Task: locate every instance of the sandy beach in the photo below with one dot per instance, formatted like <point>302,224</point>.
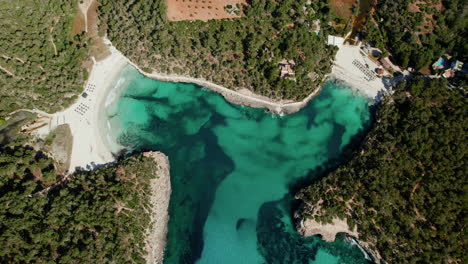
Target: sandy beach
<point>90,145</point>
<point>91,148</point>
<point>243,97</point>
<point>345,69</point>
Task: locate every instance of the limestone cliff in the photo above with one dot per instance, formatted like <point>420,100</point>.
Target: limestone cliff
<point>306,225</point>
<point>161,192</point>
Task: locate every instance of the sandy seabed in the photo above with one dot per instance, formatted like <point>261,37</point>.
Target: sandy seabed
<point>91,147</point>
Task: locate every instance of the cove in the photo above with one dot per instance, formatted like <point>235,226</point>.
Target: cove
<point>234,169</point>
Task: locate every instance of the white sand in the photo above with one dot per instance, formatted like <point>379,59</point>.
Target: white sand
<point>345,71</point>
<point>89,148</point>
<point>242,97</point>
<point>310,227</point>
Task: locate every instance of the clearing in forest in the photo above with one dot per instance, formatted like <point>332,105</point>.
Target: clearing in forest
<point>343,8</point>
<point>179,10</point>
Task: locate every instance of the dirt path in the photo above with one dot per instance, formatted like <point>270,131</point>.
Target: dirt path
<point>84,10</point>
<point>33,111</point>
<point>15,58</point>
<point>52,38</point>
<point>7,72</point>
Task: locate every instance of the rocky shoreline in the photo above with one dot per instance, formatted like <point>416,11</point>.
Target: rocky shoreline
<point>328,231</point>
<point>243,97</point>
<point>156,237</point>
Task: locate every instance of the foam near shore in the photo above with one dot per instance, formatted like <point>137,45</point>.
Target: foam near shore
<point>243,97</point>
<point>92,146</point>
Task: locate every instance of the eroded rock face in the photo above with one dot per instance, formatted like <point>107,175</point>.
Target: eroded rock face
<point>310,227</point>
<point>161,192</point>
<point>328,231</point>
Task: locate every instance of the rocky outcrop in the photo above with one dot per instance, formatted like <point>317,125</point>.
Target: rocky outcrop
<point>308,226</point>
<point>155,242</point>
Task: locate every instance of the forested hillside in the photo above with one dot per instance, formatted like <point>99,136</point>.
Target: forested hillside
<point>40,60</point>
<point>417,32</point>
<point>237,53</point>
<point>406,188</point>
<point>98,216</point>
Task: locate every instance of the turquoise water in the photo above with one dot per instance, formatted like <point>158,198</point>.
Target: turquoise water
<point>234,170</point>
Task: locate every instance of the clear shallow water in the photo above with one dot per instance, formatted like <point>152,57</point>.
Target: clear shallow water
<point>234,169</point>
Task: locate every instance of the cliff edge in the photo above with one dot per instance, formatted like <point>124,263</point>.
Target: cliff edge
<point>307,225</point>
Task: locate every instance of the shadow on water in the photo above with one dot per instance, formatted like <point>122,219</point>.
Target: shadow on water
<point>193,185</point>
<point>292,248</point>
<point>276,218</point>
<point>341,157</point>
<point>187,127</point>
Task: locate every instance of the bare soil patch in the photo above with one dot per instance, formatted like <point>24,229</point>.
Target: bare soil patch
<point>99,49</point>
<point>79,23</point>
<point>343,8</point>
<point>61,147</point>
<point>179,10</point>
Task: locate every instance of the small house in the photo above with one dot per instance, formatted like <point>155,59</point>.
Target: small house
<point>286,68</point>
<point>456,65</point>
<point>448,73</point>
<point>335,41</point>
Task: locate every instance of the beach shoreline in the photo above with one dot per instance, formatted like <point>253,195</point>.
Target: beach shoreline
<point>343,71</point>
<point>92,147</point>
<point>243,97</point>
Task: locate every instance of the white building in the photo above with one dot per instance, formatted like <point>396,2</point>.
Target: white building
<point>335,41</point>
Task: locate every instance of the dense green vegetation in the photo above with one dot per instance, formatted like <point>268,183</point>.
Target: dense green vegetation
<point>96,217</point>
<point>417,32</point>
<point>237,53</point>
<point>406,189</point>
<point>9,130</point>
<point>40,61</point>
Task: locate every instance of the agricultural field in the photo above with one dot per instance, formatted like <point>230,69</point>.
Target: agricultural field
<point>179,10</point>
